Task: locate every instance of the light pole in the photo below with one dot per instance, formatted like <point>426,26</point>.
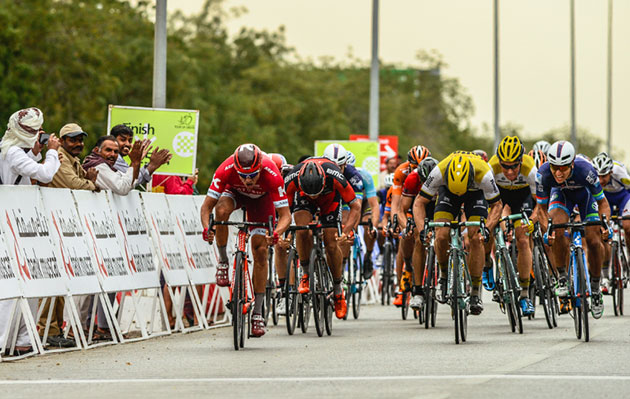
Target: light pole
<point>497,129</point>
<point>373,124</point>
<point>609,80</point>
<point>159,56</point>
<point>573,126</point>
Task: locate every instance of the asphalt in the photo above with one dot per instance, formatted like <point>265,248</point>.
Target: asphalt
<point>379,355</point>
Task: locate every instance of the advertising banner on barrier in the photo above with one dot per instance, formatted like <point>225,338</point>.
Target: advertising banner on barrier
<point>388,146</point>
<point>201,262</point>
<point>131,223</point>
<point>114,270</point>
<point>10,286</point>
<point>28,235</point>
<point>173,129</point>
<point>366,153</point>
<point>70,241</point>
<point>170,249</point>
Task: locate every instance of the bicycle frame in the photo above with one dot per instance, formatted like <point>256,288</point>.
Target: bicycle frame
<point>241,247</point>
<point>576,242</point>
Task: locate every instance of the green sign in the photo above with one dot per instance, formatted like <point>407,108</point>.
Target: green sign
<point>366,153</point>
<point>173,129</point>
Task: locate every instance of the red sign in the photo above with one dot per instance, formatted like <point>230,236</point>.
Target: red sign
<point>388,146</point>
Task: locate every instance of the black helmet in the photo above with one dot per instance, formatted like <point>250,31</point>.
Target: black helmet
<point>311,178</point>
<point>426,166</point>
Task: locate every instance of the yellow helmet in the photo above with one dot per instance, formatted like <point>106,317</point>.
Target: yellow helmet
<point>459,174</point>
<point>510,149</point>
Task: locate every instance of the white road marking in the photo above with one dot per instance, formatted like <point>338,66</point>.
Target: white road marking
<point>254,380</point>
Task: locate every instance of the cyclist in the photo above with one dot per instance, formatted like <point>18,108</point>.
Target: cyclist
<point>539,157</point>
<point>541,145</point>
<point>515,175</point>
<point>615,181</point>
<point>461,178</point>
<point>247,179</point>
<point>318,184</point>
<point>368,212</point>
<point>562,183</point>
<point>411,189</point>
<point>405,249</point>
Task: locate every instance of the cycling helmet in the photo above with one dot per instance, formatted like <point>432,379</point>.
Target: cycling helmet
<point>561,153</point>
<point>459,174</point>
<point>541,145</point>
<point>510,149</point>
<point>603,163</point>
<point>247,159</point>
<point>482,154</point>
<point>336,153</point>
<point>584,157</point>
<point>278,159</point>
<point>539,157</point>
<point>417,154</point>
<point>350,158</point>
<point>389,180</point>
<point>311,179</point>
<point>426,166</point>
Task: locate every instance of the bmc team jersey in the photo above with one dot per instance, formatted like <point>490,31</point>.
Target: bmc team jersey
<point>525,178</point>
<point>583,176</point>
<point>483,179</point>
<point>270,182</point>
<point>334,183</point>
<point>400,175</point>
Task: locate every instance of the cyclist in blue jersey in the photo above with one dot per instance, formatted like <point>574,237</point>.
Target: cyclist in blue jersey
<point>563,183</point>
<point>370,211</point>
<point>615,180</point>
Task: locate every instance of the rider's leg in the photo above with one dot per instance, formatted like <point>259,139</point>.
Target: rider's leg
<point>524,261</point>
<point>441,248</point>
<point>259,278</point>
<point>224,208</point>
<point>560,247</point>
<point>418,261</point>
<point>475,260</point>
<point>346,245</point>
<point>333,254</point>
<point>303,240</point>
<point>369,240</point>
<point>594,254</point>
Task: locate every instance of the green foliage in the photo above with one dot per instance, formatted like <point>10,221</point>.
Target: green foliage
<point>72,58</point>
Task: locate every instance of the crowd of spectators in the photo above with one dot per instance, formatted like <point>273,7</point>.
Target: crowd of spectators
<point>104,168</point>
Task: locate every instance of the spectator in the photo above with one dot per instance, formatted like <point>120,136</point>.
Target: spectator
<point>71,174</point>
<point>19,156</point>
<point>124,137</point>
<point>174,184</point>
<point>391,164</point>
<point>103,158</point>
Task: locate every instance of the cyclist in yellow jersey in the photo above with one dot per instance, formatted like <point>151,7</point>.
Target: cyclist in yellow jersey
<point>461,178</point>
<point>515,174</point>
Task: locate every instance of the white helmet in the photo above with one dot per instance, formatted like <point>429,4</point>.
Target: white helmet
<point>389,180</point>
<point>350,158</point>
<point>541,145</point>
<point>561,153</point>
<point>336,153</point>
<point>603,163</point>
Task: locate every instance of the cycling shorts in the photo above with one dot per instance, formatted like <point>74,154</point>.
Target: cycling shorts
<point>621,200</point>
<point>449,205</point>
<point>257,209</point>
<point>519,200</point>
<point>329,206</point>
<point>569,199</point>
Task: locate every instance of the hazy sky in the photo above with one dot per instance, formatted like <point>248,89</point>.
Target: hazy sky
<point>534,50</point>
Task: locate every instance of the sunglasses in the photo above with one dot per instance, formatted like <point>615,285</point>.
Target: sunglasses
<point>249,175</point>
<point>514,166</point>
<point>563,168</point>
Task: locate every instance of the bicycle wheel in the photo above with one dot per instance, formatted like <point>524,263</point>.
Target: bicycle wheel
<point>514,289</point>
<point>622,280</point>
<point>305,312</point>
<point>387,273</point>
<point>317,297</point>
<point>349,278</point>
<point>237,305</point>
<point>576,311</point>
<point>616,285</point>
<point>290,292</point>
<point>405,305</point>
<point>454,298</point>
<point>463,302</point>
<point>541,283</point>
<point>357,286</point>
<point>329,305</point>
<point>579,256</point>
<point>428,287</point>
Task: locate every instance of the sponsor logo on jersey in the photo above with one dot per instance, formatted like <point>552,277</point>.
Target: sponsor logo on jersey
<point>591,178</point>
<point>268,169</point>
<point>334,173</point>
<point>215,182</point>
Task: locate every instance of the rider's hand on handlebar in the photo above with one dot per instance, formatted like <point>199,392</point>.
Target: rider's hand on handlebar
<point>272,239</point>
<point>208,235</point>
<point>606,232</point>
<point>548,239</point>
<point>345,237</point>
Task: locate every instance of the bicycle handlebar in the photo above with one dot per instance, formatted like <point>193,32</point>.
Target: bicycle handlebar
<point>574,225</point>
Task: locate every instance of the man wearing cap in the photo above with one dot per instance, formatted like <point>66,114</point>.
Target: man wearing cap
<point>391,164</point>
<point>71,175</point>
<point>19,157</point>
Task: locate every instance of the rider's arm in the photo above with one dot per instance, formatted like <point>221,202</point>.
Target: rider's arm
<point>206,210</point>
<point>494,214</point>
<point>373,202</point>
<point>284,220</point>
<point>420,211</point>
<point>405,203</point>
<point>353,217</point>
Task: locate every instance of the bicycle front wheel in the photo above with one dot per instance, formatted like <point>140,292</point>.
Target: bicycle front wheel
<point>317,297</point>
<point>455,299</point>
<point>357,287</point>
<point>514,290</point>
<point>541,284</point>
<point>583,290</point>
<point>616,285</point>
<point>387,274</point>
<point>238,290</point>
<point>290,292</point>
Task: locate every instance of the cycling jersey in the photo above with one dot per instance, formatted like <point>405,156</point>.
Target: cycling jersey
<point>400,174</point>
<point>270,182</point>
<point>412,187</point>
<point>525,178</point>
<point>619,179</point>
<point>583,176</point>
<point>369,190</point>
<point>353,176</point>
<point>483,179</point>
<point>388,201</point>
